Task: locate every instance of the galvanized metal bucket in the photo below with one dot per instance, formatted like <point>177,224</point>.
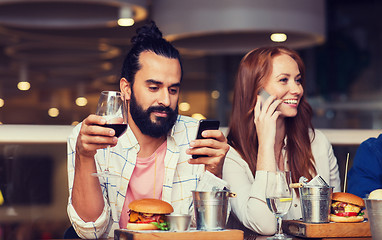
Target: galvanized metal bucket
<point>315,203</point>
<point>211,209</point>
<point>374,211</point>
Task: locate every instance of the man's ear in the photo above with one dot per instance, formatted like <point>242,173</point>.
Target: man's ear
<point>125,87</point>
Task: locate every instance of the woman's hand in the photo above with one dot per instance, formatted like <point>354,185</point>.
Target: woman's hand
<point>265,118</point>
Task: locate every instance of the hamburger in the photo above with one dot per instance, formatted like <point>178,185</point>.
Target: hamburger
<point>346,207</point>
<point>148,214</point>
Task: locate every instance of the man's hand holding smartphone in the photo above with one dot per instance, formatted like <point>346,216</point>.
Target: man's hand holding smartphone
<point>205,124</point>
<point>209,147</point>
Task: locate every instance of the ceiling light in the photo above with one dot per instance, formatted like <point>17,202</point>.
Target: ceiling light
<point>81,101</point>
<point>278,37</point>
<point>215,94</point>
<point>184,106</point>
<point>125,22</point>
<point>125,17</point>
<point>198,116</point>
<point>24,86</point>
<point>53,112</point>
<point>186,27</point>
<point>1,102</point>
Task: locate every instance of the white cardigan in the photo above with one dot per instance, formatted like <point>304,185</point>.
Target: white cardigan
<point>250,205</point>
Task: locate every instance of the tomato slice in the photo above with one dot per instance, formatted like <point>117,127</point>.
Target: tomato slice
<point>346,214</point>
<point>146,221</point>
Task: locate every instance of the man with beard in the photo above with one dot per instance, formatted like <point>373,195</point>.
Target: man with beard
<point>152,158</point>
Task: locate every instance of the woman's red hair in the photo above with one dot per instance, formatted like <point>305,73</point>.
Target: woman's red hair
<point>254,70</point>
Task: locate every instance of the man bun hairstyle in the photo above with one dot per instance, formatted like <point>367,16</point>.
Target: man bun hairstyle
<point>147,32</point>
<point>148,38</point>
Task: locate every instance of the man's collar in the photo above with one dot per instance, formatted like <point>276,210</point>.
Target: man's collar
<point>130,141</point>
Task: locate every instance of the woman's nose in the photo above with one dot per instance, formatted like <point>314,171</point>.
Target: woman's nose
<point>296,88</point>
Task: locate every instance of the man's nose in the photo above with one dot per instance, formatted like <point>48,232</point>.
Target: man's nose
<point>164,98</point>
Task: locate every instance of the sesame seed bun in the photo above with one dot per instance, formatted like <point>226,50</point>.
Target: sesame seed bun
<point>150,205</point>
<point>348,198</point>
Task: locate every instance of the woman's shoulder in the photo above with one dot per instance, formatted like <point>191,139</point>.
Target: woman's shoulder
<point>318,136</point>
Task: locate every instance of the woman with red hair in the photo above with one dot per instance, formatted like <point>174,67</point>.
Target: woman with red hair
<point>272,134</point>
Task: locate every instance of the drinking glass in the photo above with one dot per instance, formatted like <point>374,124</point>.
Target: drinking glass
<point>111,106</point>
<point>279,198</point>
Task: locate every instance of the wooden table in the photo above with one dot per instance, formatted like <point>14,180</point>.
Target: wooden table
<point>228,234</point>
<point>265,238</point>
<point>295,238</point>
<point>327,230</point>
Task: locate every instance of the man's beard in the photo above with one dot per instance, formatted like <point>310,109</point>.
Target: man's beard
<point>160,127</point>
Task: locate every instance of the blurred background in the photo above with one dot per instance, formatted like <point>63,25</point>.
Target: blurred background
<point>56,56</point>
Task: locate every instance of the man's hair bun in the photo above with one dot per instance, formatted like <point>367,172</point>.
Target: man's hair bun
<point>148,39</point>
<point>148,32</point>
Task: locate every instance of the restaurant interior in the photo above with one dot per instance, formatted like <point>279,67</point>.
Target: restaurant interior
<point>56,56</point>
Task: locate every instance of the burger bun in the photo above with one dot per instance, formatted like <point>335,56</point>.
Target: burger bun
<point>141,226</point>
<point>348,198</point>
<point>376,194</point>
<point>335,218</point>
<point>151,205</point>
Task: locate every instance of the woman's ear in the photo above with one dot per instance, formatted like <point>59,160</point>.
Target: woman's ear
<point>125,87</point>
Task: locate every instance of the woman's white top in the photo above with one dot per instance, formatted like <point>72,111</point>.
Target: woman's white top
<point>250,205</point>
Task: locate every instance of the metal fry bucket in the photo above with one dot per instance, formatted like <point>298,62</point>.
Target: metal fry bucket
<point>211,209</point>
<point>374,211</point>
<point>315,203</point>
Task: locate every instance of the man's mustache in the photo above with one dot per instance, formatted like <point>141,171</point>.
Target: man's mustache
<point>167,110</point>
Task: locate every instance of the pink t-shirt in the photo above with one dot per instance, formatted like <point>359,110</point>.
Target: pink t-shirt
<point>146,181</point>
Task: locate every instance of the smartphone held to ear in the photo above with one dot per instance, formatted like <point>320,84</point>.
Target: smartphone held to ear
<point>264,96</point>
<point>206,124</point>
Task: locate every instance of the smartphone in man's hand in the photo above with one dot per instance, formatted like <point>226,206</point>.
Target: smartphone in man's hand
<point>205,124</point>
